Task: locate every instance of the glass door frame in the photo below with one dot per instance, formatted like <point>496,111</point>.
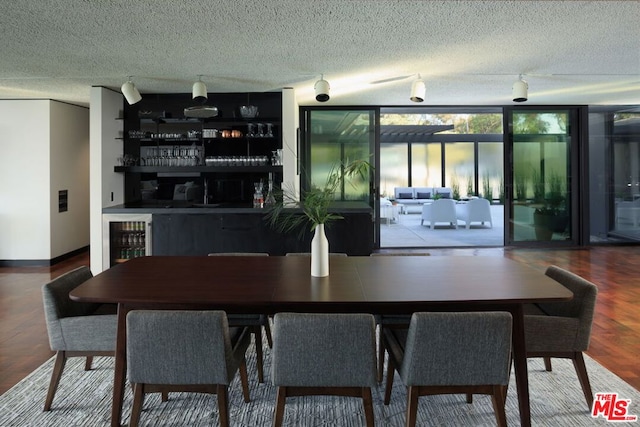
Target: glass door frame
<point>578,174</point>
<point>304,153</point>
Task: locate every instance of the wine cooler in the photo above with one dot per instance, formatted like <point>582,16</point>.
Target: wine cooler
<point>125,236</point>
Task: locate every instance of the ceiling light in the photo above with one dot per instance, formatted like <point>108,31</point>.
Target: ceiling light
<point>199,90</point>
<point>322,90</point>
<point>520,90</point>
<point>130,92</point>
<point>418,90</point>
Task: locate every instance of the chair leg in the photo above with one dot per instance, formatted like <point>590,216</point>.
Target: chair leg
<point>547,364</point>
<point>278,411</point>
<point>87,363</point>
<point>581,370</point>
<point>58,367</point>
<point>497,398</point>
<point>244,380</point>
<point>164,396</point>
<point>469,397</point>
<point>380,356</point>
<point>367,402</point>
<point>412,406</point>
<point>223,405</point>
<point>267,331</point>
<point>138,401</point>
<point>257,336</point>
<point>389,384</point>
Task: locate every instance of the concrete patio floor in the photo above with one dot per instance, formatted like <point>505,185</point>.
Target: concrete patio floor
<point>408,233</point>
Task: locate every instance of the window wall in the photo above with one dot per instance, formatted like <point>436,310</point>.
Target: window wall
<point>614,174</point>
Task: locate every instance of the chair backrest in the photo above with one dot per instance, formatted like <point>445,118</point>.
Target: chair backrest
<point>238,254</point>
<point>309,254</point>
<point>457,349</point>
<point>446,207</point>
<point>179,347</point>
<point>400,254</point>
<point>582,306</point>
<point>324,350</point>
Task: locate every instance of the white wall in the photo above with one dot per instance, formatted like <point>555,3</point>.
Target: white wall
<point>43,149</point>
<point>24,180</point>
<point>69,170</point>
<point>106,106</point>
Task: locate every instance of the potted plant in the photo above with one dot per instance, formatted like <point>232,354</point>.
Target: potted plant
<point>552,217</point>
<point>315,205</point>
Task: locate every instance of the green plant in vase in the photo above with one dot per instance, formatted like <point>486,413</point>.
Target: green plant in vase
<point>315,204</point>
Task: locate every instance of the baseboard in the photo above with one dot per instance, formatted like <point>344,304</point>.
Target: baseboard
<point>41,262</point>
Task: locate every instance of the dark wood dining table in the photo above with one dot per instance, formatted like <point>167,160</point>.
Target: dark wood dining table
<point>377,285</point>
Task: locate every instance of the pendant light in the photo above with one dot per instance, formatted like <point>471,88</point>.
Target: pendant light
<point>418,90</point>
<point>520,90</point>
<point>322,89</point>
<point>199,91</point>
<point>130,92</point>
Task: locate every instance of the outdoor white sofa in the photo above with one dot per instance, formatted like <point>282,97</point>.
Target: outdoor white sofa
<point>417,196</point>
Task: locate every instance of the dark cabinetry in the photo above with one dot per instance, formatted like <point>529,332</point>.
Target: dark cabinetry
<point>200,234</point>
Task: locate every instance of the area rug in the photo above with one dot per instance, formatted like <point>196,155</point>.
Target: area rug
<point>84,399</point>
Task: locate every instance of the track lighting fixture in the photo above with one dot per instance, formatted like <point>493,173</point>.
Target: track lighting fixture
<point>418,90</point>
<point>520,90</point>
<point>130,92</point>
<point>322,89</point>
<point>199,91</point>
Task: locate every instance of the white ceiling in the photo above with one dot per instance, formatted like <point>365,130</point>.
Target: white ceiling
<point>468,52</point>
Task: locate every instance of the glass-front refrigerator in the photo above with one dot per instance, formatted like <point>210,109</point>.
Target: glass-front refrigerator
<point>125,236</point>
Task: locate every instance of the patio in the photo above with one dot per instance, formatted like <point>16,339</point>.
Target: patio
<point>407,232</point>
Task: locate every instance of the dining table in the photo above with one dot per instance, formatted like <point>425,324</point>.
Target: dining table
<point>383,285</point>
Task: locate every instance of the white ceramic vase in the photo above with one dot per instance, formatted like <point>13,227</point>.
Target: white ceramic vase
<point>319,253</point>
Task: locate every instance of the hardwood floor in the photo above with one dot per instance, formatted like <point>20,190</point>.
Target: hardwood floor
<point>615,339</point>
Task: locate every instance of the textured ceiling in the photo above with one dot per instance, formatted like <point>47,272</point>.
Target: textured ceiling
<point>468,52</point>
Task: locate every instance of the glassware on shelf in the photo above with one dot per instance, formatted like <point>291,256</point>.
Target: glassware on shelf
<point>258,198</point>
<point>270,199</point>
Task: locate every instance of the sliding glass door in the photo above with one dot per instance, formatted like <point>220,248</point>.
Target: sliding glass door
<point>543,175</point>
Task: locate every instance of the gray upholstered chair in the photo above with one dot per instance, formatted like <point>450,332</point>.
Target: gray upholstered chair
<point>321,354</point>
<point>190,351</point>
<point>255,322</point>
<point>563,329</point>
<point>75,329</point>
<point>451,353</point>
<point>309,254</point>
<point>391,321</point>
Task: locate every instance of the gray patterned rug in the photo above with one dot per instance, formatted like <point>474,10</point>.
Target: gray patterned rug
<point>84,399</point>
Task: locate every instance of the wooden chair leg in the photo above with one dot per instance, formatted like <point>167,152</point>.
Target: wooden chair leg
<point>367,402</point>
<point>257,336</point>
<point>164,396</point>
<point>267,331</point>
<point>244,380</point>
<point>389,385</point>
<point>56,374</point>
<point>581,370</point>
<point>412,406</point>
<point>547,364</point>
<point>469,398</point>
<point>278,411</point>
<point>138,401</point>
<point>87,363</point>
<point>497,398</point>
<point>381,352</point>
<point>223,405</point>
